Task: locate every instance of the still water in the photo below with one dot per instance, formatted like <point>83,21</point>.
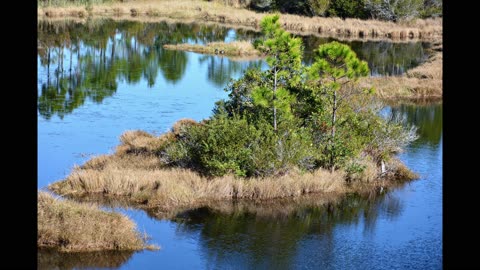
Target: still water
<point>97,80</point>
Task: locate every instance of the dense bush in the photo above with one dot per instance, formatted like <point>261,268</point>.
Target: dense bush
<point>347,9</point>
<point>394,10</point>
<point>225,144</point>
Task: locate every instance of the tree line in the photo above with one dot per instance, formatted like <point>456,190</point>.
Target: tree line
<point>391,10</point>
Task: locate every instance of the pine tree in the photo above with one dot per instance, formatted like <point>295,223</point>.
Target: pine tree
<point>335,68</point>
<point>284,57</point>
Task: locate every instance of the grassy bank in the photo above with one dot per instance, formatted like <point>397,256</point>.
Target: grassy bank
<point>422,82</point>
<point>206,11</point>
<point>70,226</point>
<point>233,49</point>
<point>135,174</point>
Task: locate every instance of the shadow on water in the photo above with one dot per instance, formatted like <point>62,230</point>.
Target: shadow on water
<point>250,237</point>
<point>427,118</point>
<point>51,259</point>
<point>88,61</point>
<point>252,234</point>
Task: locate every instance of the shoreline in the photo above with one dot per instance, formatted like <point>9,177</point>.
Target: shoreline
<point>203,11</point>
<point>139,178</point>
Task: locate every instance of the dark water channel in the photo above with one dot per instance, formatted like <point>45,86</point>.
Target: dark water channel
<point>97,80</point>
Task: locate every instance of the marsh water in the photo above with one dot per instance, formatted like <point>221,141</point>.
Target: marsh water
<point>99,79</point>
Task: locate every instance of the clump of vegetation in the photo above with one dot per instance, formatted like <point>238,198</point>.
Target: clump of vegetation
<point>289,116</point>
<point>391,10</point>
<point>235,48</point>
<point>70,226</point>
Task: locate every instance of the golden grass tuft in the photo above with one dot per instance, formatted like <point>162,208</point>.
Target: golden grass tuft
<point>138,141</point>
<point>169,188</point>
<point>70,226</point>
<point>179,127</point>
<point>235,48</point>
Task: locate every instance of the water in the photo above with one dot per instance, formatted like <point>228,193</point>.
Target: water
<point>122,79</point>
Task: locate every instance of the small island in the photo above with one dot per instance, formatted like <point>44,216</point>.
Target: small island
<point>233,50</point>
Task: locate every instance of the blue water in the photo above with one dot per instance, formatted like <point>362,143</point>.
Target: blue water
<point>401,229</point>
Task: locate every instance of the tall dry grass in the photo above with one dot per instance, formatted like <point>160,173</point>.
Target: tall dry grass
<point>422,82</point>
<point>136,174</point>
<point>169,188</point>
<point>71,226</point>
<point>199,10</point>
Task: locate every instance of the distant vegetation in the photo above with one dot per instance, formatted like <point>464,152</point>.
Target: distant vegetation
<point>235,48</point>
<point>244,15</point>
<point>392,10</point>
<point>422,82</point>
<point>74,2</point>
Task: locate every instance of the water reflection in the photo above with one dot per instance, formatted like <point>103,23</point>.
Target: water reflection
<point>251,237</point>
<point>79,62</point>
<point>88,61</point>
<point>51,259</point>
<point>384,58</point>
<point>428,119</point>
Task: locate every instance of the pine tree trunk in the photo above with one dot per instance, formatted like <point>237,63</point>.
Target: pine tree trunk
<point>274,98</point>
<point>334,116</point>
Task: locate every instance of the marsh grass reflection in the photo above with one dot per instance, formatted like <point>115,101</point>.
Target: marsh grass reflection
<point>52,259</point>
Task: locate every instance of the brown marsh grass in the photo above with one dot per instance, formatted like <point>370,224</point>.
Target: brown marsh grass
<point>422,82</point>
<point>197,10</point>
<point>136,174</point>
<point>235,48</point>
<point>71,226</point>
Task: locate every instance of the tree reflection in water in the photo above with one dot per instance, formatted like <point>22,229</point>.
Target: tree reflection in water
<point>87,61</point>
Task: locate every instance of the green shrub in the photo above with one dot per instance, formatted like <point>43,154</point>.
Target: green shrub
<point>347,9</point>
